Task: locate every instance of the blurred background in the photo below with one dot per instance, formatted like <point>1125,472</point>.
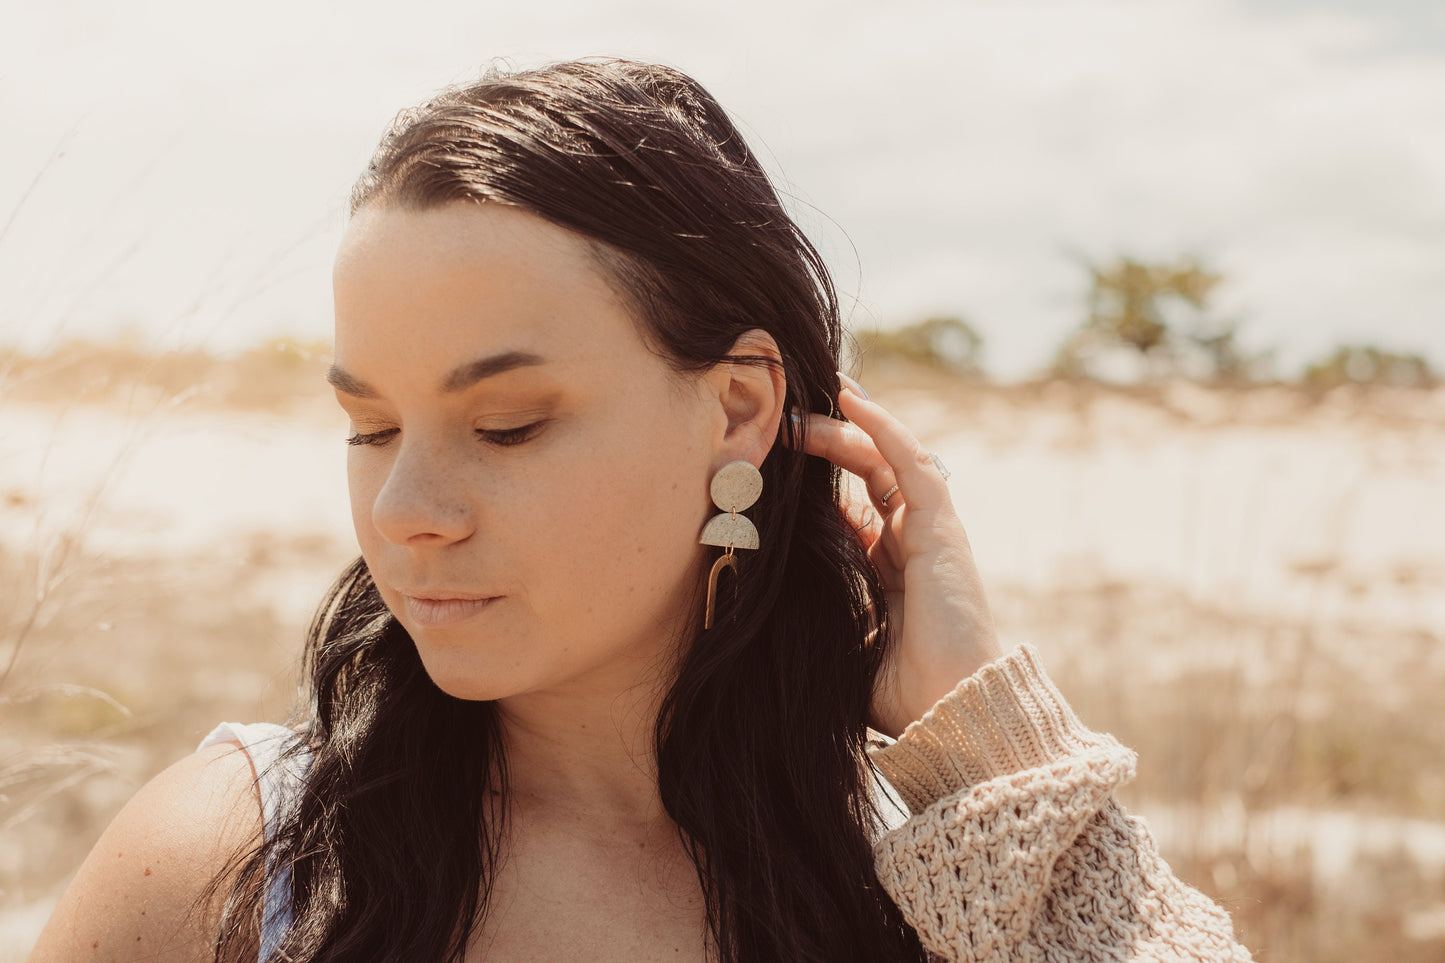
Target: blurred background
<point>1162,282</point>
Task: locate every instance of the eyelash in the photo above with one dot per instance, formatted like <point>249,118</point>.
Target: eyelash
<point>504,438</point>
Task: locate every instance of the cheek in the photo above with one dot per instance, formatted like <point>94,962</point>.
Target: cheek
<point>627,538</point>
<point>364,478</point>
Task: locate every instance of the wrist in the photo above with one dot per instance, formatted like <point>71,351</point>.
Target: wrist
<point>1006,717</point>
<point>926,680</point>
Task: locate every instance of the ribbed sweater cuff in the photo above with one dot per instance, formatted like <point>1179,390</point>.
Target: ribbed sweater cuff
<point>1006,717</point>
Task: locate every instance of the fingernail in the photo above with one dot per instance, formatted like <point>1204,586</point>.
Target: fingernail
<point>853,386</point>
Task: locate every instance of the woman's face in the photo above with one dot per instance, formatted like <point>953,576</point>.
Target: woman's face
<point>528,481</point>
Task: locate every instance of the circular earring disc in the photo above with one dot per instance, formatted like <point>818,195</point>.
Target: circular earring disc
<point>736,486</point>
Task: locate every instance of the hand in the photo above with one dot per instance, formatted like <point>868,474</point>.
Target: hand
<point>940,629</point>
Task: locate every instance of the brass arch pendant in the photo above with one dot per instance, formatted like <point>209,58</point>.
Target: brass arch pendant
<point>727,560</point>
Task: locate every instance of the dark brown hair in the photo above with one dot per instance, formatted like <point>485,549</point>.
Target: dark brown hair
<point>760,742</point>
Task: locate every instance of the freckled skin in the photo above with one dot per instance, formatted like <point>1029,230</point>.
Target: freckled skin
<point>178,831</point>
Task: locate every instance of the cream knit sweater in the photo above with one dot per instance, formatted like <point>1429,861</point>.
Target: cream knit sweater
<point>1016,848</point>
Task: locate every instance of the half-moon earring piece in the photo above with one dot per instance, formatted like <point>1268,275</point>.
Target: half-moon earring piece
<point>736,486</point>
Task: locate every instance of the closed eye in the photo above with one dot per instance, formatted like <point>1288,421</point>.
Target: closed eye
<point>502,437</point>
<point>371,437</point>
<point>506,437</point>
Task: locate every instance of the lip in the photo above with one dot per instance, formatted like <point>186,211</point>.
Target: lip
<point>432,612</point>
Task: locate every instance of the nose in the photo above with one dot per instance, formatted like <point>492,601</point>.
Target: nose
<point>423,500</point>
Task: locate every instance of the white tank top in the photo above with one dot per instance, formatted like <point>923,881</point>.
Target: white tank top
<point>279,783</point>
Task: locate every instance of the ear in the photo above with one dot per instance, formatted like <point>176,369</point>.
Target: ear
<point>752,398</point>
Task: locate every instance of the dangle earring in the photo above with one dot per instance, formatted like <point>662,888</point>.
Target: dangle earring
<point>736,486</point>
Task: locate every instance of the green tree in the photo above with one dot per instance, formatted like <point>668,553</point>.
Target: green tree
<point>943,342</point>
<point>1161,312</point>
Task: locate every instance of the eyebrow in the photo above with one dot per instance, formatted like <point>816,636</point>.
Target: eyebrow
<point>461,378</point>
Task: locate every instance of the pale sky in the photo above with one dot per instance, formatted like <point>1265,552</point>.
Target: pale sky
<point>948,156</point>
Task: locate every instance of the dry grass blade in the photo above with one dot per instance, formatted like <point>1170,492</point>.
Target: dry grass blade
<point>29,780</point>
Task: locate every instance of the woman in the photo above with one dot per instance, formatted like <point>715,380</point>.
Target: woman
<point>601,682</point>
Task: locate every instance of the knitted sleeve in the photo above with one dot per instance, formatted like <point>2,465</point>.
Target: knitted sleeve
<point>1016,848</point>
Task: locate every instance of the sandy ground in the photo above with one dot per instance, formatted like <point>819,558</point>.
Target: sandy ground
<point>1246,562</point>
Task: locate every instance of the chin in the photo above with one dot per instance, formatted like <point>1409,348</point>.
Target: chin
<point>467,663</point>
<point>462,675</point>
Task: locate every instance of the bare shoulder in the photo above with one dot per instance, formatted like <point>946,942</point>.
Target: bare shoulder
<point>136,895</point>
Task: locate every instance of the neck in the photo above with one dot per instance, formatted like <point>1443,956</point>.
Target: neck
<point>585,749</point>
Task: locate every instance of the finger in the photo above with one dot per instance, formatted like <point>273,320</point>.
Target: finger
<point>851,449</point>
<point>890,574</point>
<point>919,480</point>
<point>869,531</point>
<point>864,519</point>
